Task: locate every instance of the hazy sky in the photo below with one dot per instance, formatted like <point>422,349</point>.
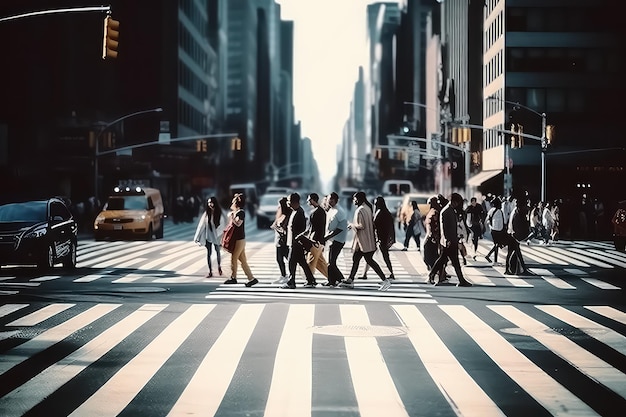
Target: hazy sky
<point>329,46</point>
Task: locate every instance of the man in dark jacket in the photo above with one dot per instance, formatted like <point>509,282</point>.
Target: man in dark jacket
<point>296,226</point>
<point>449,242</point>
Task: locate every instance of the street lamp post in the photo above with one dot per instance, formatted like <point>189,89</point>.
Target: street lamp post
<point>104,128</point>
<point>544,141</point>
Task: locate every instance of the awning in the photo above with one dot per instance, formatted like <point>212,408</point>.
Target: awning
<point>483,176</point>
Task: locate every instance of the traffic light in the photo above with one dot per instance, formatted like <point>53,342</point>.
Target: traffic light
<point>549,134</point>
<point>235,144</point>
<point>517,140</point>
<point>110,38</point>
<point>378,153</point>
<point>401,155</point>
<point>201,145</point>
<point>461,135</point>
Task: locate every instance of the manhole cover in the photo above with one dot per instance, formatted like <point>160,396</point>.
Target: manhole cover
<point>359,331</point>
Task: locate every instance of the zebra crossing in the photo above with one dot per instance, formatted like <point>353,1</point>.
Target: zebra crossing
<point>177,260</point>
<point>311,359</point>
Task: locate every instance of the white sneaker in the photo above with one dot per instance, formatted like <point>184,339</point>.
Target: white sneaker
<point>385,285</point>
<point>281,280</point>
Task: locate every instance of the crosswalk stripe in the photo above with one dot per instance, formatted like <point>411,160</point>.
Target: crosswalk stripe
<point>7,309</point>
<point>52,378</point>
<point>544,389</point>
<point>602,333</point>
<point>372,384</point>
<point>609,312</point>
<point>584,256</point>
<point>40,315</point>
<point>204,393</point>
<point>52,336</point>
<point>581,359</point>
<point>456,385</point>
<point>118,391</point>
<point>288,373</point>
<point>549,277</point>
<point>366,365</point>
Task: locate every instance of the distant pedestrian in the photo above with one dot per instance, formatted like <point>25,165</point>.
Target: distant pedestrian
<point>619,227</point>
<point>413,227</point>
<point>475,219</point>
<point>547,221</point>
<point>364,243</point>
<point>336,233</point>
<point>432,236</point>
<point>535,223</point>
<point>449,242</point>
<point>209,233</point>
<point>237,217</point>
<point>295,227</point>
<point>495,222</point>
<point>279,225</point>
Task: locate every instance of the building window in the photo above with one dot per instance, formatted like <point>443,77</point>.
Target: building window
<point>555,101</point>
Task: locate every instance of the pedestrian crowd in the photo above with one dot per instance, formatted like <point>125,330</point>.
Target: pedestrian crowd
<point>314,245</point>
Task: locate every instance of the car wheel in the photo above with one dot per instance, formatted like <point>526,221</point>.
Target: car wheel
<point>150,233</point>
<point>70,260</point>
<point>47,262</point>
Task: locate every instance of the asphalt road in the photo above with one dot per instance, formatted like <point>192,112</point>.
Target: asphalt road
<point>137,330</point>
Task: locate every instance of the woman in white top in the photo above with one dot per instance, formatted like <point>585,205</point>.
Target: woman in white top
<point>209,232</point>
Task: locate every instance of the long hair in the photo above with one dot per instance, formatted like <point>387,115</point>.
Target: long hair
<point>284,208</point>
<point>380,205</point>
<point>215,214</point>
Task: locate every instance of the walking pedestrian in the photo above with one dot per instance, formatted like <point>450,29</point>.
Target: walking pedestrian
<point>296,226</point>
<point>209,233</point>
<point>619,227</point>
<point>432,236</point>
<point>534,221</point>
<point>413,227</point>
<point>462,231</point>
<point>495,221</point>
<point>449,242</point>
<point>547,221</point>
<point>237,217</point>
<point>384,229</point>
<point>475,218</point>
<point>364,243</point>
<point>317,230</point>
<point>279,225</point>
<point>336,233</point>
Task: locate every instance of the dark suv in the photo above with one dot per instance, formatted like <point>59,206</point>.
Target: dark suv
<point>38,232</point>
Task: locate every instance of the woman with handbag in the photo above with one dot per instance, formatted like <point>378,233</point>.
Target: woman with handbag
<point>209,232</point>
<point>234,240</point>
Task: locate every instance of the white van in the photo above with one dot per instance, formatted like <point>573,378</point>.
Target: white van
<point>397,187</point>
<point>250,191</point>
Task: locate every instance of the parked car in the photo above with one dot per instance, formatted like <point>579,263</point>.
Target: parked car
<point>131,212</point>
<point>39,232</point>
<point>268,203</point>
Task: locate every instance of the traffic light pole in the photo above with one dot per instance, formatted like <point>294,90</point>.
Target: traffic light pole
<point>54,11</point>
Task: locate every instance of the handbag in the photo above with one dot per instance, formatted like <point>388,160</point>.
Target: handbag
<point>228,242</point>
<point>305,241</point>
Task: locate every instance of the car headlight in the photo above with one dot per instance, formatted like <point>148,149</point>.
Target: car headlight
<point>35,233</point>
<point>140,218</point>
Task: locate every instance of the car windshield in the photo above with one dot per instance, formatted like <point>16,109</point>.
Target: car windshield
<point>270,200</point>
<point>127,203</point>
<point>33,211</point>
